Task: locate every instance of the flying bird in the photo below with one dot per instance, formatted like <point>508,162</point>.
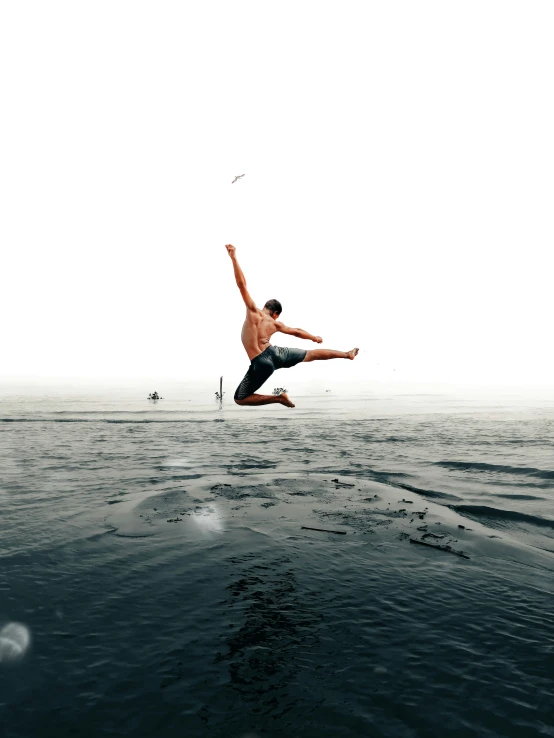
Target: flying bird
<point>237,177</point>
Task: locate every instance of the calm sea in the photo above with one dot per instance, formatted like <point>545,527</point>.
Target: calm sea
<point>228,620</point>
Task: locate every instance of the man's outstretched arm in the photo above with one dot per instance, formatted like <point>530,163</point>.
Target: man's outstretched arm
<point>298,332</point>
<point>241,281</point>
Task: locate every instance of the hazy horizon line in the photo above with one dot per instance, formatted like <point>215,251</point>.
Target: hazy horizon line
<point>317,383</point>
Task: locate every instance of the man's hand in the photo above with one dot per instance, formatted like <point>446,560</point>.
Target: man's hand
<point>318,339</point>
<point>230,250</point>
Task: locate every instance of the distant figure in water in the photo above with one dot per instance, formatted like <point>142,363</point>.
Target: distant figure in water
<point>264,358</point>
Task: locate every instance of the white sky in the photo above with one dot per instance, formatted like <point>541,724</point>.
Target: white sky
<point>398,195</point>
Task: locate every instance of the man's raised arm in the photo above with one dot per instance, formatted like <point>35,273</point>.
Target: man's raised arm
<point>298,332</point>
<point>239,276</point>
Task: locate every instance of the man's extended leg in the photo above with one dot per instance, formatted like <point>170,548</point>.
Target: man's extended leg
<point>282,399</point>
<point>319,354</point>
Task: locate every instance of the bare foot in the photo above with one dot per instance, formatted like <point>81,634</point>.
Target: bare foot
<point>284,399</point>
<point>353,353</point>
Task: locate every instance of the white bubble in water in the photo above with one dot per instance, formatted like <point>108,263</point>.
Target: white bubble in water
<point>209,519</point>
<point>15,639</point>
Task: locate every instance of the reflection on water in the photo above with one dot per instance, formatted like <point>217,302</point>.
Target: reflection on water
<point>208,519</point>
<point>220,617</point>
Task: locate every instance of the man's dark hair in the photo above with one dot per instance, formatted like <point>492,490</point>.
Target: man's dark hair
<point>274,306</point>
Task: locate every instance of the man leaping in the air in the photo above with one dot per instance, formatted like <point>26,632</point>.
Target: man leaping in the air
<point>264,358</point>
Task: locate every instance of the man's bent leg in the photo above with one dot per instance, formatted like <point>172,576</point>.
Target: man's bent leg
<point>282,399</point>
<point>258,373</point>
<point>321,354</point>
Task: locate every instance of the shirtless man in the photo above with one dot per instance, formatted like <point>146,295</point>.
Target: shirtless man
<point>264,358</point>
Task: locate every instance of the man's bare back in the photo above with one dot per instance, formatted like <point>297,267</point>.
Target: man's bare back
<point>258,327</point>
<point>257,330</point>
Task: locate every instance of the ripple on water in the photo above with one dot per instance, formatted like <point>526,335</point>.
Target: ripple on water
<point>229,622</point>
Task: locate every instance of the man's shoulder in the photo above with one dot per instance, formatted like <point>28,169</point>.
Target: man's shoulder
<point>255,319</point>
<point>255,314</point>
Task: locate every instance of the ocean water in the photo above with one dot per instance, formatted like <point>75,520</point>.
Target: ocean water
<point>154,557</point>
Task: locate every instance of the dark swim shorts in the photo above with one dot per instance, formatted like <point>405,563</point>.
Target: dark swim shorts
<point>263,365</point>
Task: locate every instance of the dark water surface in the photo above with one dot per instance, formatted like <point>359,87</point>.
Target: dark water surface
<point>157,558</point>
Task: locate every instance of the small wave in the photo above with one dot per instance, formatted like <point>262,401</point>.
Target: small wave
<point>386,475</point>
<point>427,492</point>
<point>498,468</point>
<point>521,442</point>
<point>376,475</point>
<point>175,477</point>
<point>388,439</point>
<point>484,511</point>
<point>520,497</point>
<point>251,465</point>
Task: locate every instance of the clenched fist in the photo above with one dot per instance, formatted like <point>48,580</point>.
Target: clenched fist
<point>230,249</point>
<point>318,339</point>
